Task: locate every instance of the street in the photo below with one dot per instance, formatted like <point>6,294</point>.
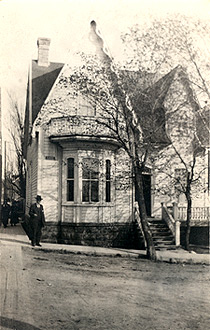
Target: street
<point>51,290</point>
<point>14,294</point>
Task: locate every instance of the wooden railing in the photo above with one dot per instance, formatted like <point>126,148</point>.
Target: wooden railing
<point>167,217</point>
<point>172,222</point>
<point>138,220</point>
<point>198,213</point>
<point>178,214</point>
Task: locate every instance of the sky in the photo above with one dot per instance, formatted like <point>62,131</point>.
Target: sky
<point>66,22</point>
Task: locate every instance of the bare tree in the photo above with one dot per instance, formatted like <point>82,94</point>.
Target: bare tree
<point>187,179</point>
<point>16,130</point>
<point>165,44</point>
<point>118,94</point>
<point>127,99</point>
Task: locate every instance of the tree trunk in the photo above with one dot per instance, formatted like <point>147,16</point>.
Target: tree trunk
<point>188,223</point>
<point>150,248</point>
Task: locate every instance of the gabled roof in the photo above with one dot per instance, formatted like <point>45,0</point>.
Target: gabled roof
<point>147,98</point>
<point>146,95</point>
<point>43,79</point>
<point>156,93</point>
<point>203,126</point>
<point>150,107</point>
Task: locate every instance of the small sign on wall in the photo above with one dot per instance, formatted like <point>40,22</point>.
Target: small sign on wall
<point>50,157</point>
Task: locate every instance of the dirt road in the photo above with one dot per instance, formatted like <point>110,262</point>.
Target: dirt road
<point>42,290</point>
<point>69,291</point>
<point>15,308</point>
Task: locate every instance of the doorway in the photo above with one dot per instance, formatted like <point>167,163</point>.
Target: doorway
<point>147,193</point>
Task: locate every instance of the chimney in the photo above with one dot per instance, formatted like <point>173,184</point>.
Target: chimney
<point>43,51</point>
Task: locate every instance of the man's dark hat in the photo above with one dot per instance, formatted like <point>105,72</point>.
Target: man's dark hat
<point>38,198</point>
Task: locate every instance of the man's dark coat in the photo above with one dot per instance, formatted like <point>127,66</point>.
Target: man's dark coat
<point>37,213</point>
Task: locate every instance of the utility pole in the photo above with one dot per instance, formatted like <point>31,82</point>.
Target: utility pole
<point>0,159</point>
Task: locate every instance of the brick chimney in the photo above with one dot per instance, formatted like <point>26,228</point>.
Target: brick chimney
<point>43,51</point>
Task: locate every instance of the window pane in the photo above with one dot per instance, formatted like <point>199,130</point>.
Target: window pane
<point>108,166</point>
<point>85,173</point>
<point>94,175</point>
<point>85,191</point>
<point>108,177</point>
<point>108,191</point>
<point>85,168</point>
<point>70,169</point>
<point>70,190</point>
<point>94,168</point>
<point>90,175</point>
<point>94,191</point>
<point>90,168</point>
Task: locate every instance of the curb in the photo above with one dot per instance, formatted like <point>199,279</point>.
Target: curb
<point>92,253</point>
<point>183,261</point>
<point>171,260</point>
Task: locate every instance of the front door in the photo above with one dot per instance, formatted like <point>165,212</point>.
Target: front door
<point>147,192</point>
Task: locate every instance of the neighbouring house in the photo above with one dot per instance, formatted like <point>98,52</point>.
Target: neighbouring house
<point>187,127</point>
<point>79,167</point>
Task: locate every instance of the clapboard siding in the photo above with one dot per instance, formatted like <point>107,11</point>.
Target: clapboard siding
<point>32,160</point>
<point>49,148</point>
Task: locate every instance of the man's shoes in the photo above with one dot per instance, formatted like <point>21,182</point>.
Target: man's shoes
<point>32,244</point>
<point>38,244</point>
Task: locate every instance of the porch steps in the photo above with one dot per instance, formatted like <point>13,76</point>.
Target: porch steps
<point>162,237</point>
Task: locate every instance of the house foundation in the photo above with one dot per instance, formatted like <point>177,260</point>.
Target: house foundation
<point>119,235</point>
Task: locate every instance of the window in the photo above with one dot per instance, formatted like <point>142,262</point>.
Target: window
<point>90,180</point>
<point>108,181</point>
<point>70,179</point>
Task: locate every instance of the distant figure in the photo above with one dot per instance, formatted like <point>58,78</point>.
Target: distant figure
<point>5,211</point>
<point>37,220</point>
<point>14,213</point>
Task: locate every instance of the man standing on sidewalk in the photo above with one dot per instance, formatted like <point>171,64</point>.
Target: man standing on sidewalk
<point>37,220</point>
<point>5,211</point>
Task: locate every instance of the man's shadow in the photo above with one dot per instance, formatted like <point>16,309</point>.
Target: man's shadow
<point>15,325</point>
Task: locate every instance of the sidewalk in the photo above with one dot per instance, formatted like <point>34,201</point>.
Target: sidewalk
<point>17,235</point>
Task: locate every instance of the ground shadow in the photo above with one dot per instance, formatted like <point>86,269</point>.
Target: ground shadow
<point>16,325</point>
<point>13,240</point>
<point>200,249</point>
<point>140,253</point>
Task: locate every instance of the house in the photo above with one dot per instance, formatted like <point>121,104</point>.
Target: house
<point>78,165</point>
<point>71,162</point>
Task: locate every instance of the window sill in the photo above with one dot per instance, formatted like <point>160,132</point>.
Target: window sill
<point>87,204</point>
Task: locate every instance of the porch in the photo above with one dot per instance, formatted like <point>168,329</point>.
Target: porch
<point>199,214</point>
<point>176,217</point>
